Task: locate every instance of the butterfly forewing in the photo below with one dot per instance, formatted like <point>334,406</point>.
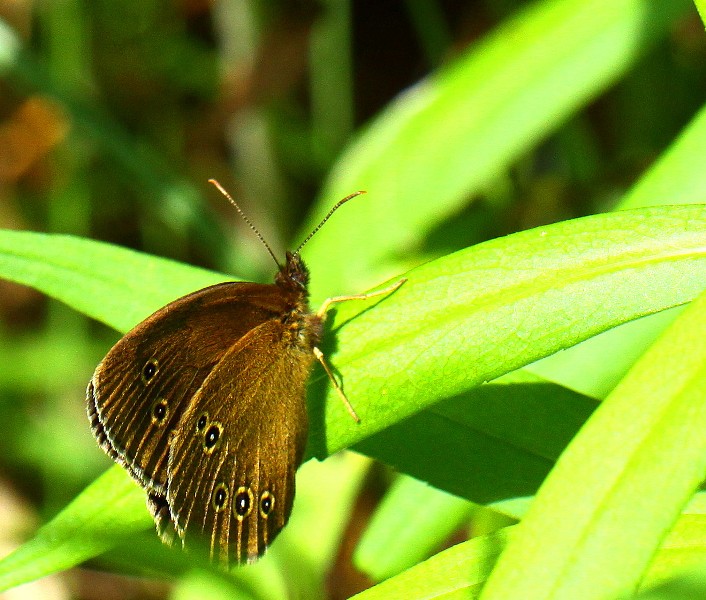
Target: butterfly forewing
<point>141,389</point>
<point>244,433</point>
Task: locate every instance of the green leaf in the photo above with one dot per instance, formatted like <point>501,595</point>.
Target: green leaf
<point>411,522</point>
<point>457,573</point>
<point>595,366</point>
<point>685,546</point>
<point>461,571</point>
<point>117,286</point>
<point>615,493</point>
<point>490,309</point>
<point>110,510</point>
<point>494,439</point>
<point>602,514</point>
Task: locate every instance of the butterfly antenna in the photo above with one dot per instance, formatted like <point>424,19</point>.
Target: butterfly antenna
<point>327,217</point>
<point>222,190</point>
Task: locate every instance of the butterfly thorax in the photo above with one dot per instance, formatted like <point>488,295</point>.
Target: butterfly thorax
<point>303,329</point>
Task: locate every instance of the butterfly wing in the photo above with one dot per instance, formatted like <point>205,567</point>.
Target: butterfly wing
<point>142,388</point>
<point>233,459</point>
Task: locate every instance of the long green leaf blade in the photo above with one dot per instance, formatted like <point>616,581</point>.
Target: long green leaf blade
<point>490,309</point>
<point>616,492</point>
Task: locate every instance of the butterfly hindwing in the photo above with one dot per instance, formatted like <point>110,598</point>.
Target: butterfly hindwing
<point>244,435</point>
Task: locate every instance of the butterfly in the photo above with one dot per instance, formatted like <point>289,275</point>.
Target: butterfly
<point>204,404</point>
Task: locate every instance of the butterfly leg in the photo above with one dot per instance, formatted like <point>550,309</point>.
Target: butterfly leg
<point>349,407</point>
<point>336,299</point>
<point>320,356</point>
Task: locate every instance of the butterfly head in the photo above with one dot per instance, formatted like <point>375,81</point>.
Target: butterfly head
<point>294,275</point>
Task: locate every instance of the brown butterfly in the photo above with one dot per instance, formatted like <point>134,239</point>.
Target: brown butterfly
<point>204,404</point>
